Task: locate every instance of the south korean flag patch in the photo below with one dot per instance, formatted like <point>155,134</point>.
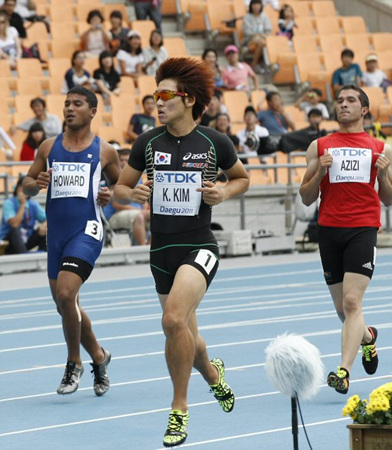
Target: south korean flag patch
<point>162,158</point>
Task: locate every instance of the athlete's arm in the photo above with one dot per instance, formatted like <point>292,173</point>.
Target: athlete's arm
<point>111,169</point>
<point>127,190</point>
<point>384,175</point>
<point>238,183</point>
<point>316,169</point>
<point>38,177</point>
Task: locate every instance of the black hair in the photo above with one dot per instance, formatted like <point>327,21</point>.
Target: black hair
<point>315,112</point>
<point>368,116</point>
<point>270,95</point>
<point>208,50</point>
<point>250,108</point>
<point>234,139</point>
<point>254,2</point>
<point>147,97</point>
<point>102,56</point>
<point>363,98</point>
<point>19,183</point>
<point>116,13</point>
<point>74,55</point>
<point>94,13</point>
<point>156,32</point>
<point>316,91</point>
<point>124,151</point>
<point>282,10</point>
<point>91,98</point>
<point>30,140</point>
<point>37,100</point>
<point>347,52</point>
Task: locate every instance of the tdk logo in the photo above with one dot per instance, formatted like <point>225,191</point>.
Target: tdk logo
<point>350,152</point>
<point>190,155</point>
<point>69,167</point>
<point>176,177</point>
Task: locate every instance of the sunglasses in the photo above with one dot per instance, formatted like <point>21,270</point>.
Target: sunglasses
<point>168,95</point>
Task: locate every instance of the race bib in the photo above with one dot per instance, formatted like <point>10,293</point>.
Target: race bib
<point>175,193</point>
<point>94,229</point>
<point>70,179</point>
<point>350,165</point>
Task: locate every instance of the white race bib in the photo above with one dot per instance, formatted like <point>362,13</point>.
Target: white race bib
<point>94,229</point>
<point>175,193</point>
<point>70,179</point>
<point>350,165</point>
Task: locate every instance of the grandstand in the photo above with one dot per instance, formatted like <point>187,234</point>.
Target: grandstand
<point>325,27</point>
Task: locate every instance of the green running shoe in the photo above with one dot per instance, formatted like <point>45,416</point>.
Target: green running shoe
<point>339,380</point>
<point>222,391</point>
<point>176,432</point>
<point>369,353</point>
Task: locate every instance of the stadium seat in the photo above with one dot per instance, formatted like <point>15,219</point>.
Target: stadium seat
<point>112,134</point>
<point>195,15</point>
<point>58,67</point>
<point>327,25</point>
<point>286,72</point>
<point>22,102</point>
<point>301,8</point>
<point>169,8</point>
<point>376,99</point>
<point>381,41</point>
<point>306,26</point>
<point>308,62</point>
<point>322,81</point>
<point>128,86</point>
<point>64,30</point>
<point>55,84</point>
<point>305,44</point>
<point>55,103</point>
<point>123,107</point>
<point>81,11</point>
<point>64,48</point>
<point>331,43</point>
<point>353,25</point>
<point>323,8</point>
<point>147,85</point>
<point>5,70</point>
<point>384,62</point>
<point>175,46</point>
<point>331,61</point>
<point>144,27</point>
<point>276,45</point>
<point>37,32</point>
<point>219,11</point>
<point>109,7</point>
<point>29,67</point>
<point>258,99</point>
<point>60,13</point>
<point>236,102</point>
<point>30,86</point>
<point>358,42</point>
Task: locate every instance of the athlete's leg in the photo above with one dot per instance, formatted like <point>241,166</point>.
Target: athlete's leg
<point>88,339</point>
<point>180,349</point>
<point>336,291</point>
<point>354,329</point>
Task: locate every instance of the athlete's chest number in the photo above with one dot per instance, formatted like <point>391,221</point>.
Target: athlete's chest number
<point>206,259</point>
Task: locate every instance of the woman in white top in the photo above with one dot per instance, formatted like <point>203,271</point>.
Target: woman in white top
<point>155,54</point>
<point>131,59</point>
<point>96,39</point>
<point>10,48</point>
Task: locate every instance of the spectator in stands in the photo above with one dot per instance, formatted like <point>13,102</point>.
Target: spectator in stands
<point>15,19</point>
<point>374,77</point>
<point>214,108</point>
<point>256,26</point>
<point>373,128</point>
<point>286,22</point>
<point>10,48</point>
<point>50,122</point>
<point>96,39</point>
<point>19,223</point>
<point>141,122</point>
<point>210,56</point>
<point>274,3</point>
<point>77,75</point>
<point>27,10</point>
<point>349,73</point>
<point>135,218</point>
<point>223,123</point>
<point>155,54</point>
<point>275,119</point>
<point>34,139</point>
<point>310,100</point>
<point>119,34</point>
<point>251,127</point>
<point>236,75</point>
<point>149,9</point>
<point>107,79</point>
<point>131,59</point>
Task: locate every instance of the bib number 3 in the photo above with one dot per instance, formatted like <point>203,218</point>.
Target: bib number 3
<point>94,229</point>
<point>206,259</point>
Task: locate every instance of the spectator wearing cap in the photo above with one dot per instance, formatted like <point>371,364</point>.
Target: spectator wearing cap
<point>236,75</point>
<point>251,127</point>
<point>311,100</point>
<point>149,9</point>
<point>214,108</point>
<point>155,54</point>
<point>256,26</point>
<point>131,59</point>
<point>373,76</point>
<point>19,223</point>
<point>119,34</point>
<point>96,39</point>
<point>349,73</point>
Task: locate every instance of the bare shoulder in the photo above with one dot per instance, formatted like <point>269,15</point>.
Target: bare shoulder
<point>312,152</point>
<point>388,151</point>
<point>45,148</point>
<point>108,153</point>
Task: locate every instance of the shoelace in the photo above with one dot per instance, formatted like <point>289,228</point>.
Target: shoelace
<point>175,422</point>
<point>367,352</point>
<point>97,375</point>
<point>67,379</point>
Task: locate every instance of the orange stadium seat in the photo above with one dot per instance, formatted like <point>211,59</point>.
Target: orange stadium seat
<point>144,27</point>
<point>308,62</point>
<point>236,102</point>
<point>109,7</point>
<point>358,42</point>
<point>219,11</point>
<point>5,70</point>
<point>381,41</point>
<point>169,8</point>
<point>128,86</point>
<point>332,61</point>
<point>197,9</point>
<point>305,26</point>
<point>277,45</point>
<point>331,43</point>
<point>258,99</point>
<point>30,86</point>
<point>64,48</point>
<point>81,11</point>
<point>112,134</point>
<point>58,67</point>
<point>147,85</point>
<point>22,102</point>
<point>64,30</point>
<point>323,8</point>
<point>305,44</point>
<point>301,8</point>
<point>376,98</point>
<point>55,103</point>
<point>353,25</point>
<point>286,72</point>
<point>175,46</point>
<point>123,107</point>
<point>384,62</point>
<point>327,25</point>
<point>322,81</point>
<point>37,32</point>
<point>61,13</point>
<point>55,84</point>
<point>29,67</point>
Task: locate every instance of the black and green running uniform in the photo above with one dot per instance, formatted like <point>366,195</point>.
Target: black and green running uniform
<point>180,220</point>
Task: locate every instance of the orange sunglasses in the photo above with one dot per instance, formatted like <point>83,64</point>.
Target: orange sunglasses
<point>168,95</point>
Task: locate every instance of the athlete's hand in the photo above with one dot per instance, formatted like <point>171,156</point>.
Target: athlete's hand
<point>212,195</point>
<point>141,193</point>
<point>325,162</point>
<point>103,197</point>
<point>382,165</point>
<point>43,179</point>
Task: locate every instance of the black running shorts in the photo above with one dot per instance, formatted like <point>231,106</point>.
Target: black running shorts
<point>168,252</point>
<point>347,250</point>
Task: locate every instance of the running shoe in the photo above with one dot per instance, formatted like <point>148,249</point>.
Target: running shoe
<point>176,432</point>
<point>339,380</point>
<point>71,379</point>
<point>369,353</point>
<point>222,391</point>
<point>101,379</point>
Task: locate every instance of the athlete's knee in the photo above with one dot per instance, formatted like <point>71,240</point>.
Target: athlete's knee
<point>65,298</point>
<point>351,303</point>
<point>172,323</point>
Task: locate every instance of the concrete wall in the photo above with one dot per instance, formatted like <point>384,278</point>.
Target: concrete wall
<point>377,13</point>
